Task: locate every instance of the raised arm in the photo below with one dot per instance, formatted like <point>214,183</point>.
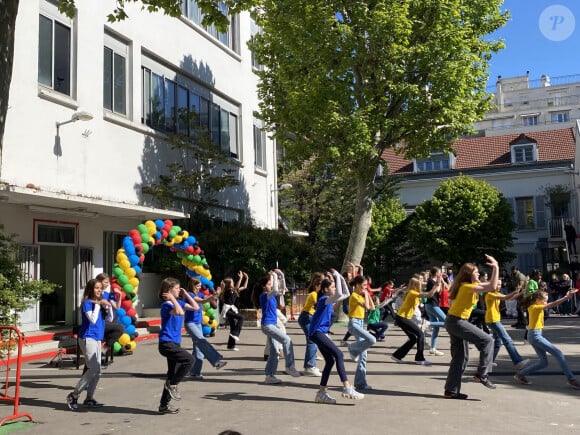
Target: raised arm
<point>341,292</point>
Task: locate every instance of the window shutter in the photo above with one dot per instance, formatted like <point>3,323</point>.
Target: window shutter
<point>512,203</point>
<point>540,212</point>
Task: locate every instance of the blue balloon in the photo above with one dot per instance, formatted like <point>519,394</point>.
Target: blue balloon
<point>206,282</point>
<point>137,269</point>
<point>206,330</point>
<point>159,224</point>
<point>130,329</point>
<point>120,313</point>
<point>191,240</point>
<point>126,320</point>
<point>134,260</point>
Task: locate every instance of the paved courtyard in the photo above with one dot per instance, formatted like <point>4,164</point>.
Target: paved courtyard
<point>406,398</point>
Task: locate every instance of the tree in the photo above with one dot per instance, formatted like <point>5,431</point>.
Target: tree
<point>345,80</point>
<point>464,220</point>
<point>213,14</point>
<point>17,292</point>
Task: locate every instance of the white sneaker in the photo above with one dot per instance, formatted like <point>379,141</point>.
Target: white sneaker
<point>323,397</point>
<point>351,393</point>
<point>522,364</point>
<point>436,352</point>
<point>397,360</point>
<point>235,337</point>
<point>312,371</point>
<point>292,372</point>
<point>423,363</point>
<point>271,380</point>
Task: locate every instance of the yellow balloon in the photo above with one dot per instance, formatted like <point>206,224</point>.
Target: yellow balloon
<point>205,320</point>
<point>134,281</point>
<point>212,323</point>
<point>124,339</point>
<point>130,273</point>
<point>133,346</point>
<point>124,264</point>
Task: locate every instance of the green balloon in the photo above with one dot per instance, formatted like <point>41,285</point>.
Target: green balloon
<point>206,306</point>
<point>123,279</point>
<point>145,247</point>
<point>128,288</point>
<point>210,312</point>
<point>117,347</point>
<point>117,271</point>
<point>142,229</point>
<point>145,237</point>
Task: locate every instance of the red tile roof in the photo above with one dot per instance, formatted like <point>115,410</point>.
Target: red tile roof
<point>490,151</point>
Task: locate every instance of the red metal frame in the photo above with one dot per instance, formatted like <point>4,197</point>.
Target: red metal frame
<point>14,335</point>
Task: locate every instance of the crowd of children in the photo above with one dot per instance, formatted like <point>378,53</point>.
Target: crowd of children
<point>467,306</point>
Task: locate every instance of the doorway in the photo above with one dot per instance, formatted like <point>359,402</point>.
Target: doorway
<point>56,266</point>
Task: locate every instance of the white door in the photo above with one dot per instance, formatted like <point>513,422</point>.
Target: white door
<point>30,265</point>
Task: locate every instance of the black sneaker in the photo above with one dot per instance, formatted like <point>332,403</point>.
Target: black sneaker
<point>168,409</point>
<point>72,402</point>
<point>458,396</point>
<point>92,403</point>
<point>172,390</point>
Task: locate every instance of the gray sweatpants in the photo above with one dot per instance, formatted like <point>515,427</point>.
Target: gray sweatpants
<point>92,351</point>
<point>461,333</point>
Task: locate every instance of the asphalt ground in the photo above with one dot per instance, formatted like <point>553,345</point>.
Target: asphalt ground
<point>406,398</point>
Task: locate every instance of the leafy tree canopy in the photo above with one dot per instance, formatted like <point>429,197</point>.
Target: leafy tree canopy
<point>465,219</point>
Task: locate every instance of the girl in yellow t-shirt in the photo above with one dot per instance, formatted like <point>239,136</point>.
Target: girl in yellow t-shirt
<point>464,293</point>
<point>304,320</point>
<point>539,303</point>
<point>404,320</point>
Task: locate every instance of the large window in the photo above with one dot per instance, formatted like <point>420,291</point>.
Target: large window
<point>560,116</point>
<point>255,30</point>
<point>529,212</point>
<point>259,145</point>
<point>172,103</point>
<point>115,75</point>
<point>530,120</point>
<point>54,52</point>
<point>191,10</point>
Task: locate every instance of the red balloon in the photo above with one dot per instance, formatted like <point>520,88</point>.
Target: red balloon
<point>131,312</point>
<point>127,304</point>
<point>141,258</point>
<point>136,239</point>
<point>133,232</point>
<point>189,249</point>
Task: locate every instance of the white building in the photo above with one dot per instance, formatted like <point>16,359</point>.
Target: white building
<point>524,167</point>
<point>530,105</point>
<point>71,192</point>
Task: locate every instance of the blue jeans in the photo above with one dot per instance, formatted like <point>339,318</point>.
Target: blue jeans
<point>311,348</point>
<point>542,346</point>
<point>500,336</point>
<point>364,340</point>
<point>437,319</point>
<point>201,348</point>
<point>274,334</point>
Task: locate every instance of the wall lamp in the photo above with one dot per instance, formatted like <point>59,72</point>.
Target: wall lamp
<point>77,116</point>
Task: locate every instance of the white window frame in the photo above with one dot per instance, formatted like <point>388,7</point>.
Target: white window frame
<point>527,157</point>
<point>259,145</point>
<point>192,13</point>
<point>560,116</point>
<point>119,48</point>
<point>530,120</point>
<point>50,11</point>
<point>437,161</point>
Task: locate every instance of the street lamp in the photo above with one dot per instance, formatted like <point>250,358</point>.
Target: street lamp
<point>77,116</point>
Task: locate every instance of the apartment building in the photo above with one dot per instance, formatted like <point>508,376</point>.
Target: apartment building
<point>91,105</point>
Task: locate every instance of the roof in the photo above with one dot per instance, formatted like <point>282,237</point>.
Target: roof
<point>494,151</point>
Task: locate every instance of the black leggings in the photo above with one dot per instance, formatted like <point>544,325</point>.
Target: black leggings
<point>179,363</point>
<point>331,354</point>
<point>236,321</point>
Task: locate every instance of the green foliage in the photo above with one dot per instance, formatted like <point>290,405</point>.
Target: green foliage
<point>465,219</point>
<point>230,247</point>
<point>345,80</point>
<point>17,293</point>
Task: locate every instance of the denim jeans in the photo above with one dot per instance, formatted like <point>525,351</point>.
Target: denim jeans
<point>201,348</point>
<point>542,346</point>
<point>310,356</point>
<point>500,336</point>
<point>364,340</point>
<point>274,334</point>
<point>437,319</point>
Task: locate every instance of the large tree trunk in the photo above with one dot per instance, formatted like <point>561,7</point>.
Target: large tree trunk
<point>8,11</point>
<point>361,223</point>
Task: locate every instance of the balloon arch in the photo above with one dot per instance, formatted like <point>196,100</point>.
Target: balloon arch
<point>126,270</point>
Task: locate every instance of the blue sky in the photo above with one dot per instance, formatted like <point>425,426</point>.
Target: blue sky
<point>542,37</point>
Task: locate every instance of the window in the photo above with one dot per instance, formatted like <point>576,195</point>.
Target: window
<point>560,116</point>
<point>530,120</point>
<point>115,76</point>
<point>524,153</point>
<point>436,162</point>
<point>529,212</point>
<point>56,234</point>
<point>54,52</point>
<point>255,30</point>
<point>259,145</point>
<point>191,10</point>
<point>172,103</point>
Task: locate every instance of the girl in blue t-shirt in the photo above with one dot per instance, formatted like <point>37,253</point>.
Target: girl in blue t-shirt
<point>193,325</point>
<point>266,295</point>
<point>179,360</point>
<point>91,334</point>
<point>333,289</point>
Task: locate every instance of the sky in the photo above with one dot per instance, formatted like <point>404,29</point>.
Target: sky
<point>542,37</point>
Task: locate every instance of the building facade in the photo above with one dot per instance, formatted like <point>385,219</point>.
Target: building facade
<point>533,171</point>
<point>91,106</point>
